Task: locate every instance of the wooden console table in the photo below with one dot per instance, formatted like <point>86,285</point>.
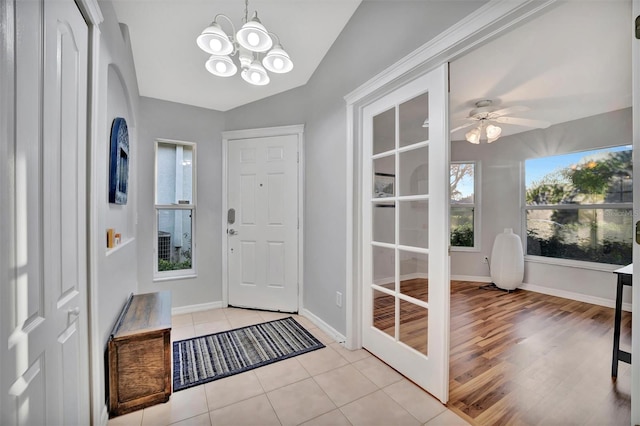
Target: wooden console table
<point>625,277</point>
<point>139,353</point>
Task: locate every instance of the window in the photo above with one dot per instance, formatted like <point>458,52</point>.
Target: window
<point>175,207</point>
<point>463,211</point>
<point>579,206</point>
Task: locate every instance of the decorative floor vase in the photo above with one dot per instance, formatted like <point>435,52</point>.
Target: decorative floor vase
<point>507,260</point>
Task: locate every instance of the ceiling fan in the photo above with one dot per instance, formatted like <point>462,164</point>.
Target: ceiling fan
<point>485,114</point>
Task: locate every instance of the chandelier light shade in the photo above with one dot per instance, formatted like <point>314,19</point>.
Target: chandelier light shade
<point>492,132</point>
<point>215,41</point>
<point>473,136</point>
<point>277,60</point>
<point>249,44</point>
<point>222,66</point>
<point>254,36</point>
<point>255,74</point>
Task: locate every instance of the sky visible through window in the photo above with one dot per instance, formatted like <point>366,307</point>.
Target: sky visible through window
<point>536,168</point>
<point>465,186</point>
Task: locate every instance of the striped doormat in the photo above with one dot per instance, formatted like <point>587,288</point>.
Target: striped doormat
<point>207,358</point>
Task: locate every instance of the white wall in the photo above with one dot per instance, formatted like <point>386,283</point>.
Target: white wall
<point>361,51</point>
<point>502,195</point>
<point>168,120</point>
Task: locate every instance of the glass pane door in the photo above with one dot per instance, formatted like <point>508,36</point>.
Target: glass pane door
<point>405,212</point>
<point>400,211</point>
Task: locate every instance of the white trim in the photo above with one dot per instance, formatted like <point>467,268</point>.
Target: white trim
<point>104,416</point>
<point>473,278</point>
<point>189,309</point>
<point>571,295</point>
<point>635,319</point>
<point>231,135</point>
<point>99,413</point>
<point>600,301</point>
<point>91,11</point>
<point>264,132</point>
<point>568,263</point>
<point>456,39</point>
<point>332,332</point>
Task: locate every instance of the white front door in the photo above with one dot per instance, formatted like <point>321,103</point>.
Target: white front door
<point>47,361</point>
<point>405,232</point>
<point>262,241</point>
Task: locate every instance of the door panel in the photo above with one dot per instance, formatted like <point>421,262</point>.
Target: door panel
<point>263,245</point>
<point>405,242</point>
<point>64,202</point>
<point>48,341</point>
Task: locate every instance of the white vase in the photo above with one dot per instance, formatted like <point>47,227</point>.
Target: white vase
<point>507,260</point>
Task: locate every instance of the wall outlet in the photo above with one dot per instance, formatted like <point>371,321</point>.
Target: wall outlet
<point>339,299</point>
<point>485,260</point>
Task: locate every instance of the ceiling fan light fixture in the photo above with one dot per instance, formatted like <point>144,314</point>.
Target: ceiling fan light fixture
<point>221,66</point>
<point>473,136</point>
<point>214,40</point>
<point>493,132</point>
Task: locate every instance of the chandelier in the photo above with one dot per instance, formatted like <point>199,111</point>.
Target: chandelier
<point>249,42</point>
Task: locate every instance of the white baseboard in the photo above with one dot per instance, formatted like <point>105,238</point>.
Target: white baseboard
<point>104,416</point>
<point>332,332</point>
<point>196,308</point>
<point>479,279</point>
<point>600,301</point>
<point>412,276</point>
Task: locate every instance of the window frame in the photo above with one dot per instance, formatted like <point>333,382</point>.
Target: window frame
<point>558,261</point>
<point>475,206</point>
<point>181,273</point>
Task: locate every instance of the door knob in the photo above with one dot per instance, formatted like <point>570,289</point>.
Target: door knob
<point>232,232</point>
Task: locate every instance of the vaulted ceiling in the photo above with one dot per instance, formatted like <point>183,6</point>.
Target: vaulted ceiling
<point>571,62</point>
<point>170,66</point>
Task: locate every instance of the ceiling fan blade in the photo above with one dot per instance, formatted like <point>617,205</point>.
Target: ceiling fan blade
<point>464,126</point>
<point>526,122</point>
<point>510,110</point>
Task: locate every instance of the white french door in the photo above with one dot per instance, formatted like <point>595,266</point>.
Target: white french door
<point>405,231</point>
<point>262,223</point>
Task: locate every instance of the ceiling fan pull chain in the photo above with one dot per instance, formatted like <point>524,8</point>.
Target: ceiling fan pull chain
<point>246,11</point>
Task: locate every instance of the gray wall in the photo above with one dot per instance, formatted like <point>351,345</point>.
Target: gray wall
<point>115,275</point>
<point>502,194</point>
<point>361,51</point>
<point>168,120</point>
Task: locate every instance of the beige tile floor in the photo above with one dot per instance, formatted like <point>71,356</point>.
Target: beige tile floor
<point>330,386</point>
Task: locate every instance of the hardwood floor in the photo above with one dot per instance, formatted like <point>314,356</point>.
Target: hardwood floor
<point>525,358</point>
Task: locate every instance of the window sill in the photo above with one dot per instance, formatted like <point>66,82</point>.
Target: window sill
<point>465,249</point>
<point>602,267</point>
<point>175,277</point>
<point>127,241</point>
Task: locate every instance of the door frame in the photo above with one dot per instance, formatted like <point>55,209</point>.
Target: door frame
<point>635,325</point>
<point>488,22</point>
<point>229,137</point>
